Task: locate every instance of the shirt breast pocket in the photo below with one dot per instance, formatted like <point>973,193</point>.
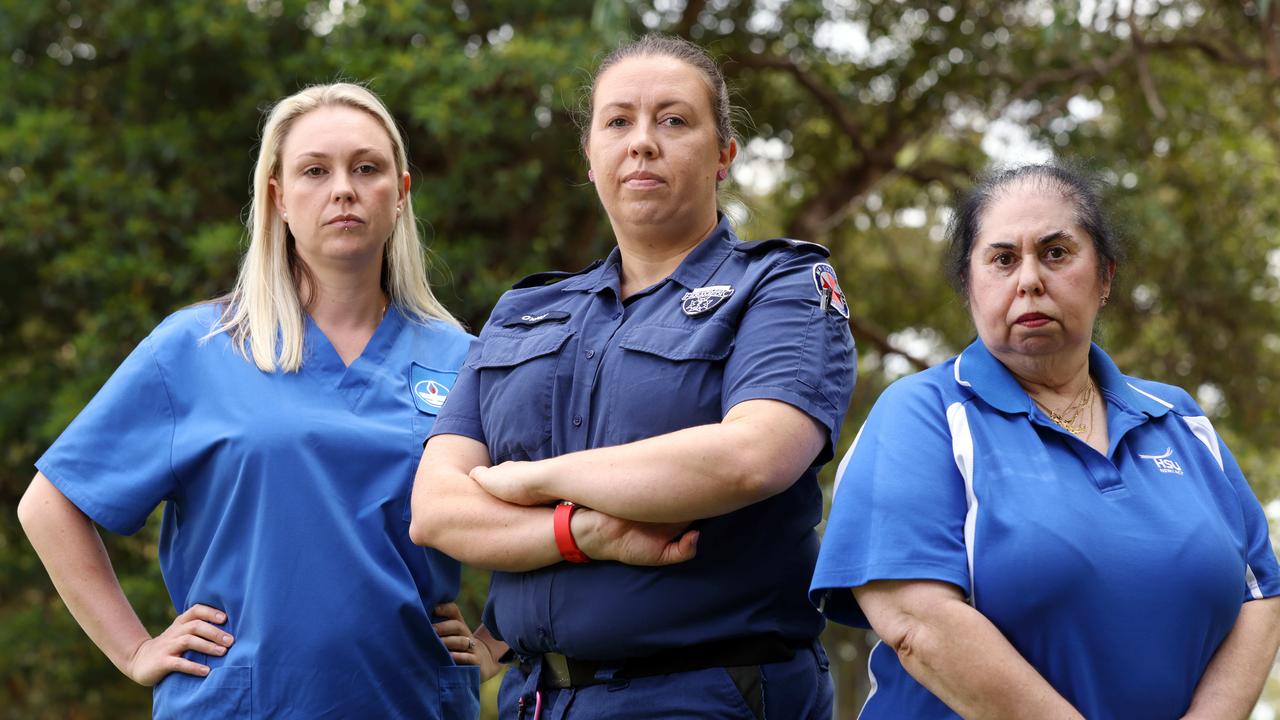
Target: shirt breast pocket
<point>517,376</point>
<point>671,377</point>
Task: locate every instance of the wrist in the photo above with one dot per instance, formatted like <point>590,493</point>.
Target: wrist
<point>585,525</point>
<point>563,529</point>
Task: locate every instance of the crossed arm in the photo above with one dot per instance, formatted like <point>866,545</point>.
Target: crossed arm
<point>641,496</point>
<point>964,660</point>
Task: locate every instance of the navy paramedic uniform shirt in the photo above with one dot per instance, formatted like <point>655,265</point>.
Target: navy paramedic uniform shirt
<point>286,505</point>
<point>1116,577</point>
<point>569,366</point>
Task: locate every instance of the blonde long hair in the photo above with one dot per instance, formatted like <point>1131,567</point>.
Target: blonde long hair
<point>265,306</point>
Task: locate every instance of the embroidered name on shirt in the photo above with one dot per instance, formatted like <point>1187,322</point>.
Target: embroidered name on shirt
<point>531,320</point>
<point>1163,462</point>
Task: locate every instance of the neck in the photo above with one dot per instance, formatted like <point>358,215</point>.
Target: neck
<point>651,253</point>
<point>346,300</point>
<point>1060,375</point>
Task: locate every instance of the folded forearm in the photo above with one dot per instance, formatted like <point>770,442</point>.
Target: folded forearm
<point>483,531</point>
<point>1234,679</point>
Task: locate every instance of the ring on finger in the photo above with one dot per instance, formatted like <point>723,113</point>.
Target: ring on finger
<point>471,644</point>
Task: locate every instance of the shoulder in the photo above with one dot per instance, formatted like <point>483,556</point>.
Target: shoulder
<point>1178,401</point>
<point>187,326</point>
<point>551,277</point>
<point>775,245</point>
<point>931,390</point>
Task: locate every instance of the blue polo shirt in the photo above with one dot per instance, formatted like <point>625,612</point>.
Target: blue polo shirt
<point>569,366</point>
<point>286,504</point>
<point>1116,576</point>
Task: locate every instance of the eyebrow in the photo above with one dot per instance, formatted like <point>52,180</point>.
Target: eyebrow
<point>1045,240</point>
<point>623,105</point>
<point>367,150</point>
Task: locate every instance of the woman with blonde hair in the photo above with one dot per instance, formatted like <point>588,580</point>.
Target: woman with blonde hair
<point>281,426</point>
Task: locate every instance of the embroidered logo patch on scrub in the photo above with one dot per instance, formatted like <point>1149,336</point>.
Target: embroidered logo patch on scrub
<point>829,292</point>
<point>703,300</point>
<point>430,388</point>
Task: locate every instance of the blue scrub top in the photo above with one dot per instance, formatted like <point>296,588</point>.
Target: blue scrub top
<point>569,366</point>
<point>286,505</point>
<point>1116,577</point>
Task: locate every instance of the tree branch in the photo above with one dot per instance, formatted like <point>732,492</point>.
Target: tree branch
<point>832,103</point>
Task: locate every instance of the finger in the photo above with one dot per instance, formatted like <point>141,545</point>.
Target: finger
<point>459,643</point>
<point>683,549</point>
<point>200,645</point>
<point>183,665</point>
<point>200,611</point>
<point>464,658</point>
<point>448,611</point>
<point>451,627</point>
<point>209,632</point>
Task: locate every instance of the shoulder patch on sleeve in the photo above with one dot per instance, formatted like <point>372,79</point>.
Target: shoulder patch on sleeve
<point>551,277</point>
<point>762,246</point>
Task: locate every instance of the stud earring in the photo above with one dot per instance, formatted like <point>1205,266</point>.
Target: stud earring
<point>284,216</point>
<point>722,173</point>
<point>1105,298</point>
<point>591,175</point>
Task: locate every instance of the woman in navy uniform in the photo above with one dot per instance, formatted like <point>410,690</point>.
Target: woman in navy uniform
<point>680,397</point>
<point>280,426</point>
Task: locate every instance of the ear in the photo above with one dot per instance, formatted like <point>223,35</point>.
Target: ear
<point>405,183</point>
<point>1108,276</point>
<point>728,153</point>
<point>277,196</point>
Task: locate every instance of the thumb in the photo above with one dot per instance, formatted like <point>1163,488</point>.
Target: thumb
<point>683,549</point>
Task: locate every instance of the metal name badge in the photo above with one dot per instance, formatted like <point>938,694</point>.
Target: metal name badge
<point>703,300</point>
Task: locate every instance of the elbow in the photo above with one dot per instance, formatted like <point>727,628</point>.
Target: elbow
<point>759,475</point>
<point>30,508</point>
<point>910,640</point>
<point>421,528</point>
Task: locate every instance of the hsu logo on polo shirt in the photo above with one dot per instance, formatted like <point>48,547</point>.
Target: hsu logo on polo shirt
<point>1164,463</point>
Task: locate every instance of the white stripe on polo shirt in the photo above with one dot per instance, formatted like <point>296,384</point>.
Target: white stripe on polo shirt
<point>962,451</point>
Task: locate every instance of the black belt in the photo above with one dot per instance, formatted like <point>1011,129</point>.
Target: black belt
<point>559,671</point>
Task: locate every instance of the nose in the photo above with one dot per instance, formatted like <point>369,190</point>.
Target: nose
<point>1029,280</point>
<point>342,189</point>
<point>643,142</point>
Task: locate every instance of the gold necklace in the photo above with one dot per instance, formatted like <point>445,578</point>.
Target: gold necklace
<point>1069,418</point>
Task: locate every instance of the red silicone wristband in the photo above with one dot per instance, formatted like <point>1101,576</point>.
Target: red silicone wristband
<point>569,549</point>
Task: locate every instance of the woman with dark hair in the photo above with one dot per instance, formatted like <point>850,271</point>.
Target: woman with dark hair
<point>1032,533</point>
<point>679,397</point>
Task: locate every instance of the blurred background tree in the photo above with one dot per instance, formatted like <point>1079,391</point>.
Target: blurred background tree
<point>128,131</point>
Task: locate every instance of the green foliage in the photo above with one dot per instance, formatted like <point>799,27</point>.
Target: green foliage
<point>128,130</point>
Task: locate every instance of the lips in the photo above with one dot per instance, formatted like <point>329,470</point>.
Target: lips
<point>1033,320</point>
<point>346,221</point>
<point>642,179</point>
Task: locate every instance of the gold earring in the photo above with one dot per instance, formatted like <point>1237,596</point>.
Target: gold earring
<point>1105,298</point>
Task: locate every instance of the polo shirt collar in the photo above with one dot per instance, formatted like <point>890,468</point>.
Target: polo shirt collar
<point>977,369</point>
